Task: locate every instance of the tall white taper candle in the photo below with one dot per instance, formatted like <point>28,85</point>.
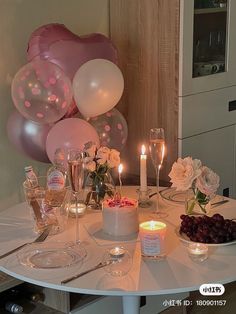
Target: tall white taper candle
<point>143,169</point>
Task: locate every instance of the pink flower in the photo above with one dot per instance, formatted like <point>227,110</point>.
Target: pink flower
<point>114,159</point>
<point>208,182</point>
<point>103,155</point>
<point>184,172</point>
<point>90,166</point>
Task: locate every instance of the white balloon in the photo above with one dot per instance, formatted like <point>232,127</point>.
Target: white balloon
<point>98,86</point>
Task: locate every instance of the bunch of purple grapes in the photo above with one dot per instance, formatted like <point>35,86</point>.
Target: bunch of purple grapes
<point>207,229</point>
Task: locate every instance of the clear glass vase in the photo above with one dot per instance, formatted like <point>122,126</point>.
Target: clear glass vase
<point>97,187</point>
<point>196,206</point>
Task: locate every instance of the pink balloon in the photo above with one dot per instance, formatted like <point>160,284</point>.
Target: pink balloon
<point>28,137</point>
<point>57,44</point>
<point>41,92</point>
<point>112,129</point>
<point>70,133</point>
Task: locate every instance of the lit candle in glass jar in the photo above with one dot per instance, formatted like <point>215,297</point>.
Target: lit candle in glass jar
<point>117,252</point>
<point>80,209</point>
<point>198,252</point>
<point>152,236</point>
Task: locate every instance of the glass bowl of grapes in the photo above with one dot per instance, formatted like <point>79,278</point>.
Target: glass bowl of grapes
<point>214,230</point>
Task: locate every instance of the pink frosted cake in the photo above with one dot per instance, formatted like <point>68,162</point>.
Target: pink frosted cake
<point>120,217</point>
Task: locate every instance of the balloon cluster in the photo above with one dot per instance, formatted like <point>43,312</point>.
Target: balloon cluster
<point>66,74</point>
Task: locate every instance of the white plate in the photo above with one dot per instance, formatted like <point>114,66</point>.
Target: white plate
<point>174,196</point>
<point>49,255</point>
<point>179,197</point>
<point>184,238</point>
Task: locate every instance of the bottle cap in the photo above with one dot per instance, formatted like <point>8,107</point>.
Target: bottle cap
<point>28,168</point>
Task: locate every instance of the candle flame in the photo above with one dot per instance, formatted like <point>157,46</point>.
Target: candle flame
<point>120,168</point>
<point>143,149</point>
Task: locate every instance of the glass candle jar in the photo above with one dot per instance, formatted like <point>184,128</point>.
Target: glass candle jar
<point>198,252</point>
<point>119,261</point>
<point>152,236</point>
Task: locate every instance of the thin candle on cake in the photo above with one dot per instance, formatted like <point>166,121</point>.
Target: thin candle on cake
<point>120,169</point>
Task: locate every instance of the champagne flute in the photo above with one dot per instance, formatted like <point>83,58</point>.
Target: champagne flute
<point>76,177</point>
<point>157,152</point>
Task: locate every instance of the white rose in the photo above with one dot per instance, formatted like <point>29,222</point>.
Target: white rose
<point>114,159</point>
<point>184,172</point>
<point>90,166</point>
<point>208,182</point>
<point>87,159</point>
<point>102,155</point>
<point>91,150</point>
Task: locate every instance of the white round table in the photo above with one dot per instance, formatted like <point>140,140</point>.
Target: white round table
<point>176,273</point>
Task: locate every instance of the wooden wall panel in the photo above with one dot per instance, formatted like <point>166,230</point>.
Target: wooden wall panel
<point>146,34</point>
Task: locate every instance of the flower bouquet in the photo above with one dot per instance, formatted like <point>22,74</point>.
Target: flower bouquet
<point>98,162</point>
<point>189,174</point>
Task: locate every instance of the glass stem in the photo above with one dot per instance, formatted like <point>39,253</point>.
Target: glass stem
<point>77,240</point>
<point>157,186</point>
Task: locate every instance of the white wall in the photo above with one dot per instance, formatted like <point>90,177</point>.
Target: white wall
<point>18,19</point>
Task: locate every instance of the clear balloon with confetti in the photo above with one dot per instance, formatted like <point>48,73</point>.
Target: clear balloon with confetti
<point>112,129</point>
<point>41,92</point>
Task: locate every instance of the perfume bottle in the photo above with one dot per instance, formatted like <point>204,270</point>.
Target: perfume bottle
<point>56,180</point>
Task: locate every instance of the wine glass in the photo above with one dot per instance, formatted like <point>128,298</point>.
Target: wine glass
<point>76,178</point>
<point>157,152</point>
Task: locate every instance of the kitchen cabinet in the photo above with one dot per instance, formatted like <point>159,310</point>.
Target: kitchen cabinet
<point>206,121</point>
<point>207,37</point>
<point>161,46</point>
<point>216,150</point>
<point>210,134</point>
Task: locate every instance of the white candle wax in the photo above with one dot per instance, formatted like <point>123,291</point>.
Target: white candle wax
<point>117,252</point>
<point>143,170</point>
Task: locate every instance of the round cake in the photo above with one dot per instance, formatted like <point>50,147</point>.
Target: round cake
<point>120,217</point>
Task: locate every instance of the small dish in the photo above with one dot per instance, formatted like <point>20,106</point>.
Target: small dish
<point>49,255</point>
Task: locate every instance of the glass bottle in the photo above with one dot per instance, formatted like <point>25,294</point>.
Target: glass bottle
<point>13,307</point>
<point>56,180</point>
<point>31,177</point>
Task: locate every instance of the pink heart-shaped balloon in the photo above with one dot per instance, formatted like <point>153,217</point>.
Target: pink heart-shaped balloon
<point>57,44</point>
